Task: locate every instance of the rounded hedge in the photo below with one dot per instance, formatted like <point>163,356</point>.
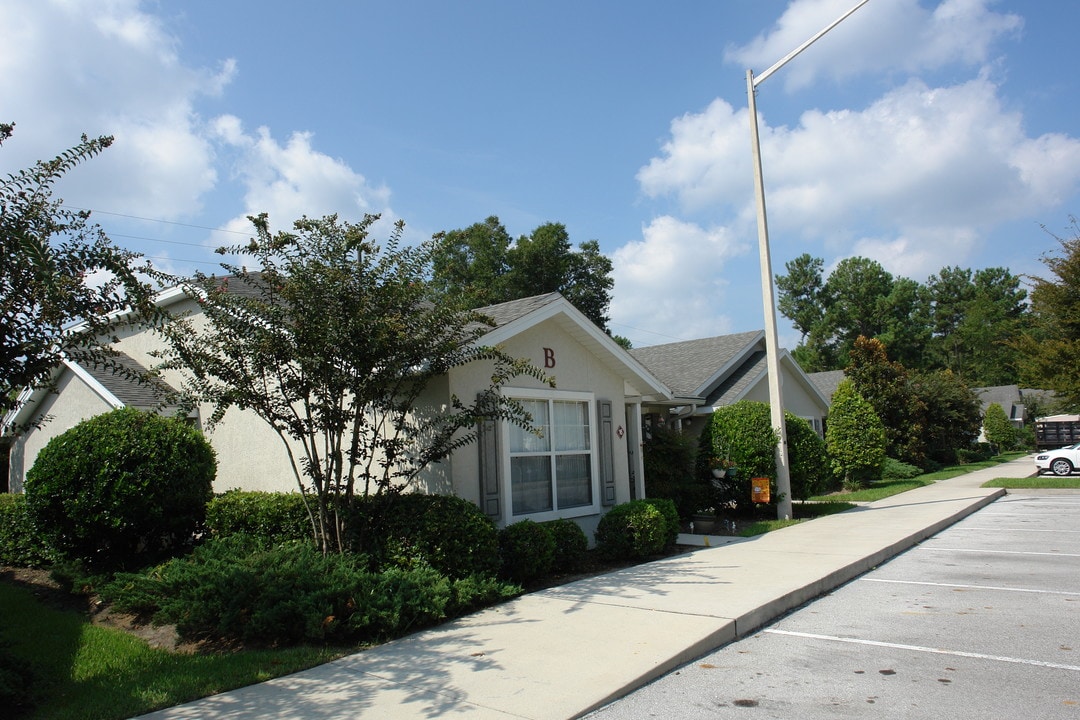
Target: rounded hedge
<point>632,530</point>
<point>571,544</point>
<point>527,549</point>
<point>671,519</point>
<point>122,489</point>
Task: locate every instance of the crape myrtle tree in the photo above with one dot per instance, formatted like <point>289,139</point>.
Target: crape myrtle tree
<point>65,289</point>
<point>331,341</point>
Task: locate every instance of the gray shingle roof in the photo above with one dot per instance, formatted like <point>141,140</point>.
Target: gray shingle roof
<point>507,312</point>
<point>827,381</point>
<point>127,390</point>
<point>738,381</point>
<point>686,366</point>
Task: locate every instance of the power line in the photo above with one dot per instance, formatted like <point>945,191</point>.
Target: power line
<point>165,222</point>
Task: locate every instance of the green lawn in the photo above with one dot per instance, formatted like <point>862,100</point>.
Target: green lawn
<point>838,502</point>
<point>84,671</point>
<point>888,488</point>
<point>1041,481</point>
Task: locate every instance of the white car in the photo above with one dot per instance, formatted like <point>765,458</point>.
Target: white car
<point>1060,462</point>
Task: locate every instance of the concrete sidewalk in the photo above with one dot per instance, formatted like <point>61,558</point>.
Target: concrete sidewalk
<point>562,652</point>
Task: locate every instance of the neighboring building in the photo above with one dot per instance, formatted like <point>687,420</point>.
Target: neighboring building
<point>826,382</point>
<point>591,461</point>
<point>714,372</point>
<point>1009,397</point>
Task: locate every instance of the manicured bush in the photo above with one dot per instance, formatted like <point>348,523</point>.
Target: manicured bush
<point>235,589</point>
<point>855,438</point>
<point>121,489</point>
<point>998,429</point>
<point>893,469</point>
<point>271,517</point>
<point>668,456</point>
<point>742,435</point>
<point>527,549</point>
<point>632,530</point>
<point>20,543</point>
<point>571,545</point>
<point>808,459</point>
<point>671,519</point>
<point>448,533</point>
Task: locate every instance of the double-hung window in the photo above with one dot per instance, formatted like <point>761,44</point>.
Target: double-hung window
<point>553,473</point>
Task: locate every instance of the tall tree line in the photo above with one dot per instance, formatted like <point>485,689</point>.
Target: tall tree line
<point>964,321</point>
<point>482,265</point>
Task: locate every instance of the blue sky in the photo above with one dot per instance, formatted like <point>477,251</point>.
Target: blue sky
<point>920,133</point>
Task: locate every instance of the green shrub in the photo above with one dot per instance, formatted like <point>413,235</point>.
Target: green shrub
<point>855,438</point>
<point>448,533</point>
<point>631,530</point>
<point>571,544</point>
<point>527,549</point>
<point>808,459</point>
<point>271,517</point>
<point>121,489</point>
<point>668,457</point>
<point>20,543</point>
<point>893,469</point>
<point>742,435</point>
<point>998,429</point>
<point>235,589</point>
<point>978,452</point>
<point>672,526</point>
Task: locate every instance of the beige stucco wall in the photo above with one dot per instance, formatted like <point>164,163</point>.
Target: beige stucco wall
<point>797,400</point>
<point>251,456</point>
<point>576,368</point>
<point>79,403</point>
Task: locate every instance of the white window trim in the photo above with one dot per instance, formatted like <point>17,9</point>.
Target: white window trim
<point>594,457</point>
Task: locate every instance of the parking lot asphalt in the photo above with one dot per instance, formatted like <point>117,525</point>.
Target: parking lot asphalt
<point>981,620</point>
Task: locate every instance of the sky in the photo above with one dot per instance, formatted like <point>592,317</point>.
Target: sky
<point>922,134</point>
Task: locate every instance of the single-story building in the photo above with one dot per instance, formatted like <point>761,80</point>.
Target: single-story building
<point>591,461</point>
<point>714,372</point>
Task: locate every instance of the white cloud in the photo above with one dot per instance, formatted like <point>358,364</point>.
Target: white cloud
<point>885,36</point>
<point>107,68</point>
<point>671,283</point>
<point>291,179</point>
<point>925,166</point>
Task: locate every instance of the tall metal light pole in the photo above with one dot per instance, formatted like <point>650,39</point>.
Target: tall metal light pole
<point>776,396</point>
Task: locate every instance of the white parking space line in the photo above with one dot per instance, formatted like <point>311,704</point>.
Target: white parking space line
<point>996,552</point>
<point>974,587</point>
<point>998,530</point>
<point>918,648</point>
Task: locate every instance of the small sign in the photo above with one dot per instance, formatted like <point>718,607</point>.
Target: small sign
<point>759,489</point>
